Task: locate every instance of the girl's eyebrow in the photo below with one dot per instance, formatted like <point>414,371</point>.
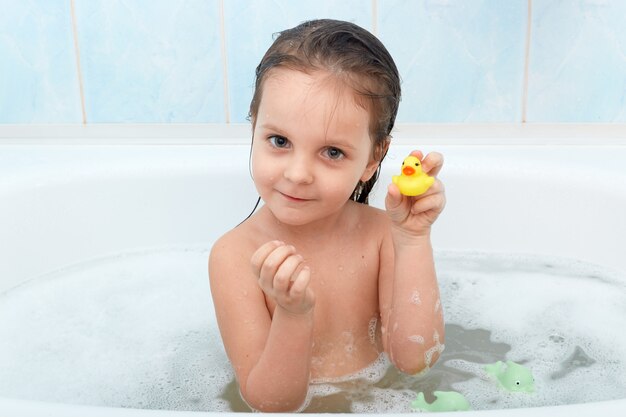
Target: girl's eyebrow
<point>273,128</point>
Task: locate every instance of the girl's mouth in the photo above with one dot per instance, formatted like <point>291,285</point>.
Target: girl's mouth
<point>294,199</point>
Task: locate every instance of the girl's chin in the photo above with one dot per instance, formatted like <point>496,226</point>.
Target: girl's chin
<point>293,216</point>
<point>296,218</point>
<point>292,219</point>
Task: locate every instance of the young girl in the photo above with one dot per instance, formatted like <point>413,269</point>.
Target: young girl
<point>316,284</point>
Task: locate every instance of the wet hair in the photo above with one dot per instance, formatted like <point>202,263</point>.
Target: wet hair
<point>354,56</point>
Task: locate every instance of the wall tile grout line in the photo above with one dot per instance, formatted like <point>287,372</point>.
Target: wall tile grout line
<point>224,62</point>
<point>375,17</point>
<point>527,62</point>
<point>78,67</point>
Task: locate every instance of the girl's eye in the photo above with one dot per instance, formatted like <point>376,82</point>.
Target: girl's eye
<point>279,141</point>
<point>334,153</point>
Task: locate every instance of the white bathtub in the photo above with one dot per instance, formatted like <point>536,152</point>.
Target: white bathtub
<point>68,194</point>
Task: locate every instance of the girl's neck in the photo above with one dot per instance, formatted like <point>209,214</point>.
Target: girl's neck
<point>318,231</point>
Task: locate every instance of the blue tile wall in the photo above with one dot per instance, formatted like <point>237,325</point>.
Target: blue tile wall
<point>461,61</point>
<point>162,61</point>
<point>38,76</point>
<point>578,61</point>
<point>151,60</point>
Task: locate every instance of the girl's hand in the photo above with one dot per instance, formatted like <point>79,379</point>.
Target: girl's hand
<point>413,216</point>
<point>283,276</point>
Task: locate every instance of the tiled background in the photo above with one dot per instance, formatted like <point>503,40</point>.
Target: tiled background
<point>192,61</point>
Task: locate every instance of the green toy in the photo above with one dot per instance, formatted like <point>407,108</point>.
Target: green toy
<point>445,401</point>
<point>512,376</point>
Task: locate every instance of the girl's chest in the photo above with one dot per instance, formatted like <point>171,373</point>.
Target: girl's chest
<point>346,331</point>
<point>345,284</point>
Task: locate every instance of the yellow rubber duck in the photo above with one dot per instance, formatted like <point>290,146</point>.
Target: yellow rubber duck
<point>412,181</point>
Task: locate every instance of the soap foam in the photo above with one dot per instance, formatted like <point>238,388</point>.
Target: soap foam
<point>138,330</point>
<point>545,309</point>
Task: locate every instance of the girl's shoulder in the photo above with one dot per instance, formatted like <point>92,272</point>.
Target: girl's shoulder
<point>372,220</point>
<point>242,241</point>
<point>369,213</point>
<point>231,252</point>
<point>234,241</point>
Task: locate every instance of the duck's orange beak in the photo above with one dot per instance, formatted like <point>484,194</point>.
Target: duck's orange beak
<point>408,170</point>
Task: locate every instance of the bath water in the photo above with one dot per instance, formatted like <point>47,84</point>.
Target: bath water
<point>138,330</point>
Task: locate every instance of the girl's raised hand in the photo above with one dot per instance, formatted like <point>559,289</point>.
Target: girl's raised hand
<point>413,216</point>
<point>283,276</point>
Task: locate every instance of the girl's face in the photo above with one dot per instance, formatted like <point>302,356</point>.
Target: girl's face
<point>311,146</point>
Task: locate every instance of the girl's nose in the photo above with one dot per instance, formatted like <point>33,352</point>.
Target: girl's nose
<point>298,171</point>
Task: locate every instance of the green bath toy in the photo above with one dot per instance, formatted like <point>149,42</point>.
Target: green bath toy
<point>445,401</point>
<point>512,376</point>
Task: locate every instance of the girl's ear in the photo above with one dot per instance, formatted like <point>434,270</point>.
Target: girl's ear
<point>378,154</point>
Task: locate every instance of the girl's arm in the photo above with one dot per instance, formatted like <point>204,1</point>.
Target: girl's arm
<point>412,315</point>
<point>271,356</point>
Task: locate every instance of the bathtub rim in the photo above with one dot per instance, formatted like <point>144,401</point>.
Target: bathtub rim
<point>609,408</point>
